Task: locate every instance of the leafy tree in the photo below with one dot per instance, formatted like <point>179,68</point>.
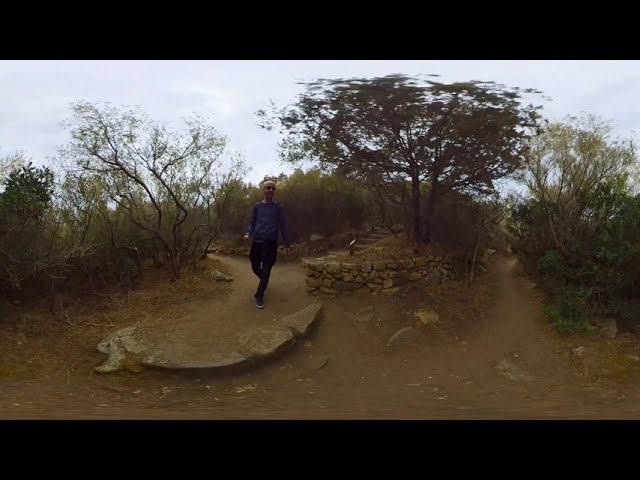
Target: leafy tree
<point>396,129</point>
<point>162,179</point>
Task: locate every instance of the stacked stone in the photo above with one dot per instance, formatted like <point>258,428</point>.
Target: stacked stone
<point>384,276</point>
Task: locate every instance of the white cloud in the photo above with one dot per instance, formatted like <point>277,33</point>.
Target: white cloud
<point>35,95</point>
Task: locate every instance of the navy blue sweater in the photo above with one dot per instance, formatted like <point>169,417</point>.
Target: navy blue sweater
<point>266,220</point>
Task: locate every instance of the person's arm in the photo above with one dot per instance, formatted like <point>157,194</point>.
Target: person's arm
<point>252,223</point>
<point>283,228</point>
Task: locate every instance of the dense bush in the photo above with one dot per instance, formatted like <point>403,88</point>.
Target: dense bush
<point>579,227</point>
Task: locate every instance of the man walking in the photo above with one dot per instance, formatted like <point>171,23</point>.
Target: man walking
<point>266,220</point>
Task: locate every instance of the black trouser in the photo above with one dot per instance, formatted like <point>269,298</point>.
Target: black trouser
<point>263,257</point>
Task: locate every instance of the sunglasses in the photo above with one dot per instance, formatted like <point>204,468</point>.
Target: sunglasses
<point>270,188</point>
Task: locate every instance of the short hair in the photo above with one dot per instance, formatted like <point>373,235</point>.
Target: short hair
<point>268,182</point>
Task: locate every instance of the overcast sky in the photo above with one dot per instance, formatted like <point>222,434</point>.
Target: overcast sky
<point>35,95</point>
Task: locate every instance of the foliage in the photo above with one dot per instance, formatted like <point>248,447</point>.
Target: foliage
<point>390,131</point>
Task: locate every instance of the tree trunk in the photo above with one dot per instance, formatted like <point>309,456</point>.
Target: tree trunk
<point>415,205</point>
<point>473,262</point>
<point>382,211</point>
<point>433,195</point>
<point>206,248</point>
<point>157,260</point>
<point>175,265</point>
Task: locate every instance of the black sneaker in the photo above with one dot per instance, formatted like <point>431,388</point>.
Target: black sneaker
<point>259,302</point>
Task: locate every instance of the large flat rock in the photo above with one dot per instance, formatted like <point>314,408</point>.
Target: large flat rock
<point>195,346</point>
<point>124,336</point>
<point>170,360</point>
<point>122,350</point>
<point>265,341</point>
<point>303,320</point>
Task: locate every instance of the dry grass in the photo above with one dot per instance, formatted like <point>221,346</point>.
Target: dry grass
<point>37,342</point>
<point>395,247</point>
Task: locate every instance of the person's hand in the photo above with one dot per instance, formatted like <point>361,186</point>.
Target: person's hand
<point>246,237</point>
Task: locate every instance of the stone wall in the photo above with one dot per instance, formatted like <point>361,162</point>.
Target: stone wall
<point>388,277</point>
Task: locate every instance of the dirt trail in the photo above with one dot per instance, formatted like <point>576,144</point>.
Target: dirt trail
<point>215,325</point>
<point>507,363</point>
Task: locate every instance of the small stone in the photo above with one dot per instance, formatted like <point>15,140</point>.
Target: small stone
<point>326,282</point>
<point>328,291</point>
<point>406,264</point>
<point>220,277</point>
<point>379,266</point>
<point>384,274</point>
<point>366,267</point>
<point>340,285</point>
<point>578,351</point>
<point>414,276</point>
<point>373,287</point>
<point>312,282</point>
<point>377,281</point>
<point>427,316</point>
<point>347,277</point>
<point>349,267</point>
<point>388,283</point>
<point>374,274</point>
<point>434,277</point>
<point>317,363</point>
<point>333,267</point>
<point>390,291</point>
<point>392,265</point>
<point>421,262</point>
<point>313,265</point>
<point>360,279</point>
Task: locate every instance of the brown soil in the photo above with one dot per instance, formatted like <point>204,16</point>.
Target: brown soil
<point>452,371</point>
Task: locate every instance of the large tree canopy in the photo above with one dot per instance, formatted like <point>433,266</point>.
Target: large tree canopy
<point>456,136</point>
